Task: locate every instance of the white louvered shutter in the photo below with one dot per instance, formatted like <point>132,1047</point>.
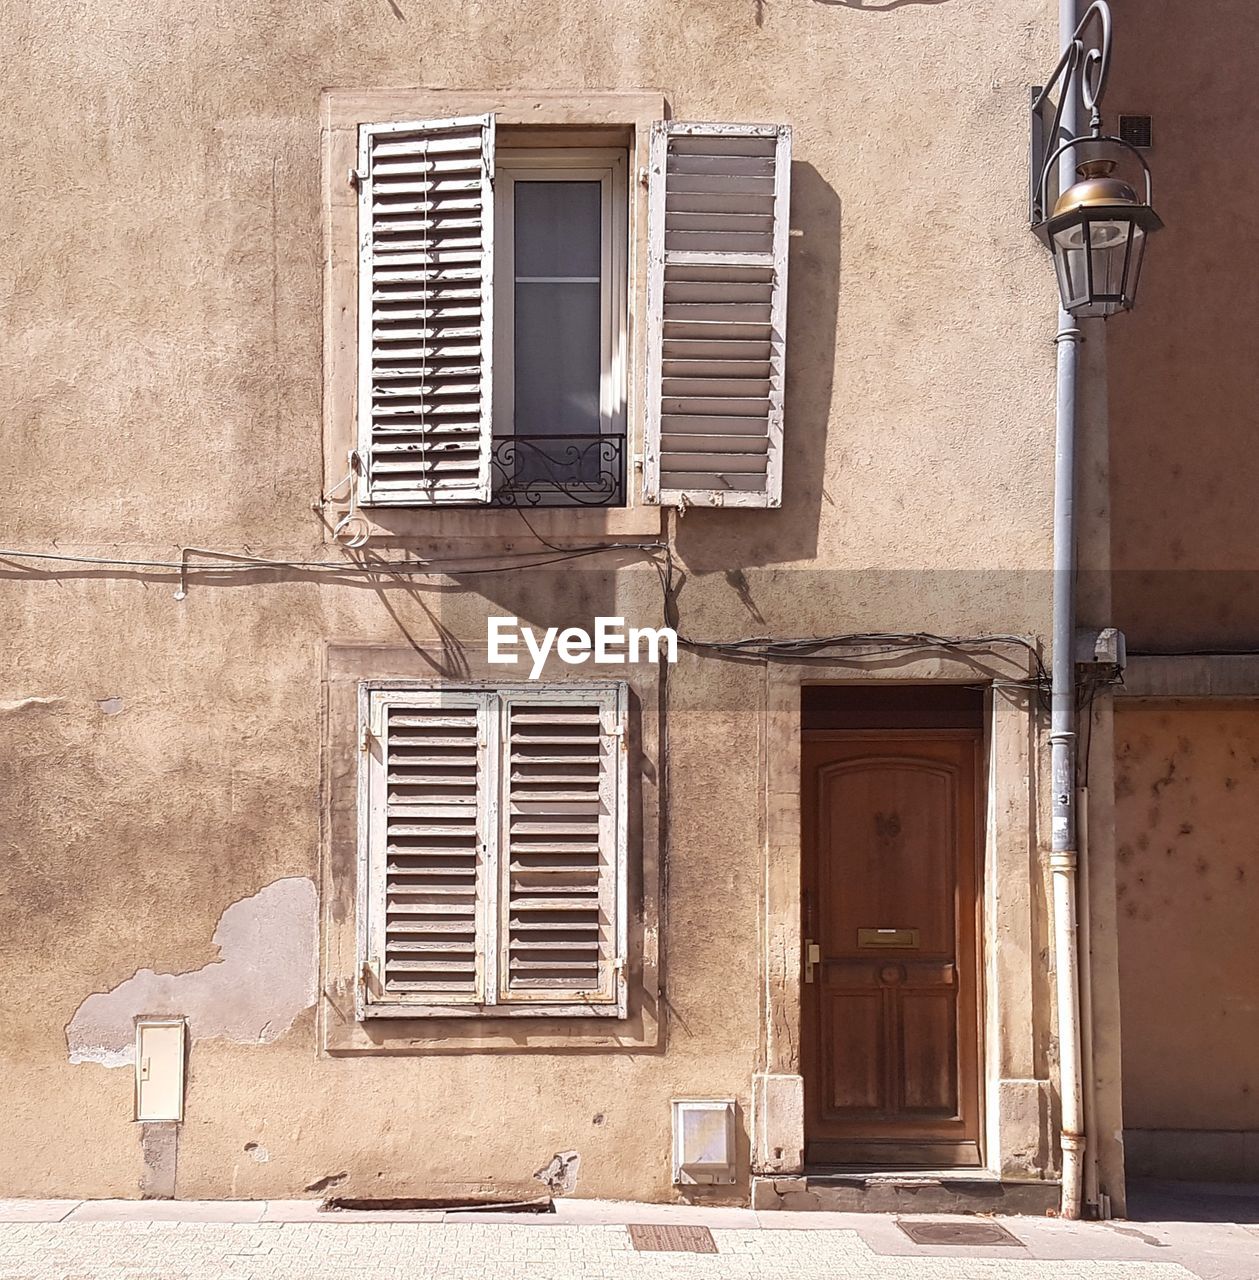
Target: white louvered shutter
<point>562,865</point>
<point>717,308</point>
<point>426,237</point>
<point>430,813</point>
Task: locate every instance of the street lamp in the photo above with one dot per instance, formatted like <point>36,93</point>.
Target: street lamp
<point>1097,236</point>
<point>1097,228</point>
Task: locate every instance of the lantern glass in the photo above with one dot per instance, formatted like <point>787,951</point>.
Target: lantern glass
<point>1097,255</point>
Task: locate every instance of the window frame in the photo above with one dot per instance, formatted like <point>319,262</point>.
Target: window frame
<point>560,164</point>
<point>541,118</point>
<point>493,700</point>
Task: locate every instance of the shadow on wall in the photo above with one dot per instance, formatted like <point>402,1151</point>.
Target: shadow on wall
<point>1153,1200</point>
<point>1183,380</point>
<point>790,532</point>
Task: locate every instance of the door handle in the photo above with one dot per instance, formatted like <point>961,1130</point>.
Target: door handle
<point>812,956</point>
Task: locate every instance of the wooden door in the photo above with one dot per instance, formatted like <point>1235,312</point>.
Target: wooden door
<point>890,1047</point>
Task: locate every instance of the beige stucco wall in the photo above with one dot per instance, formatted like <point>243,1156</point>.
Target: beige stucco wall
<point>1183,378</point>
<point>1183,548</point>
<point>161,378</point>
<point>1187,808</point>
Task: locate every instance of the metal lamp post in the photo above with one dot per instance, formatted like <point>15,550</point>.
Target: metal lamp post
<point>1096,231</point>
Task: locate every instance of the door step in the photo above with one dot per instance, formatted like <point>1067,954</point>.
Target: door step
<point>912,1191</point>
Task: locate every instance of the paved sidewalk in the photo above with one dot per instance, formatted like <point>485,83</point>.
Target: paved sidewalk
<point>584,1240</point>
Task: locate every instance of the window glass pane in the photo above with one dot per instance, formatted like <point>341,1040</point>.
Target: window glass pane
<point>558,358</point>
<point>557,228</point>
<point>558,308</point>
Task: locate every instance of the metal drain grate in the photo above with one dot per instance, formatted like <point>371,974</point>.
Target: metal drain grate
<point>658,1239</point>
<point>959,1233</point>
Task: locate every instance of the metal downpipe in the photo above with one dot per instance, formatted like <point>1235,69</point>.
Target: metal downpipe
<point>1064,857</point>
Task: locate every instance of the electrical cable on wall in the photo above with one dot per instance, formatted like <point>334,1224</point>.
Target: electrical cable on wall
<point>795,649</point>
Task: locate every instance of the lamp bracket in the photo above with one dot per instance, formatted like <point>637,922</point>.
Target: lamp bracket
<point>1079,76</point>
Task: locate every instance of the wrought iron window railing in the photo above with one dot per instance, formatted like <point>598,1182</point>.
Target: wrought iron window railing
<point>558,471</point>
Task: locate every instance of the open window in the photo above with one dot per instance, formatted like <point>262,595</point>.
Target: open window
<point>560,326</point>
<point>494,323</point>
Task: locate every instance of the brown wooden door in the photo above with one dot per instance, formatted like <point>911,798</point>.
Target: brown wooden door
<point>890,1008</point>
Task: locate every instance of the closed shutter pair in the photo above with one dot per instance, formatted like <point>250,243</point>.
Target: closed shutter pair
<point>717,292</point>
<point>496,837</point>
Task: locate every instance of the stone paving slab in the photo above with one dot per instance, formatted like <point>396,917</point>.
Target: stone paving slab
<point>36,1210</point>
<point>168,1211</point>
<point>152,1249</point>
<point>310,1211</point>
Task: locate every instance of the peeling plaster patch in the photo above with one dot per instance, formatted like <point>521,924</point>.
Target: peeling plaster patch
<point>327,1182</point>
<point>98,1053</point>
<point>110,706</point>
<point>257,1152</point>
<point>11,706</point>
<point>560,1176</point>
<point>266,976</point>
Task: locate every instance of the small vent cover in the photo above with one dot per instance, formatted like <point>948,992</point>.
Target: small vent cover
<point>1136,130</point>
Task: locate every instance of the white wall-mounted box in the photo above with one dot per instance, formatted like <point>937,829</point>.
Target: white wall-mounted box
<point>703,1141</point>
<point>160,1068</point>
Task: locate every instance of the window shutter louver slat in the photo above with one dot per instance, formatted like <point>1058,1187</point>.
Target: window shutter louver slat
<point>562,824</point>
<point>425,311</point>
<point>432,802</point>
<point>717,294</point>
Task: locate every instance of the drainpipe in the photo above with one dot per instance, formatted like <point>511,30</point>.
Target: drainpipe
<point>1063,857</point>
<point>1095,1203</point>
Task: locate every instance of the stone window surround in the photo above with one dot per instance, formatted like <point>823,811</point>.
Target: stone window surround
<point>340,1032</point>
<point>541,114</point>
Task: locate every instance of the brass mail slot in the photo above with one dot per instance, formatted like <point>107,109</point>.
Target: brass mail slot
<point>905,939</point>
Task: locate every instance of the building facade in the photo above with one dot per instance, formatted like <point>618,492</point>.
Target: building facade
<point>338,333</point>
<point>1182,576</point>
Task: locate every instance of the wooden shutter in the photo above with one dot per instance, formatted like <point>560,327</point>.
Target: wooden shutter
<point>562,867</point>
<point>717,307</point>
<point>426,236</point>
<point>430,811</point>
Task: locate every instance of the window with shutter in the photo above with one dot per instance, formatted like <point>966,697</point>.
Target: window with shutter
<point>426,277</point>
<point>717,305</point>
<point>494,850</point>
